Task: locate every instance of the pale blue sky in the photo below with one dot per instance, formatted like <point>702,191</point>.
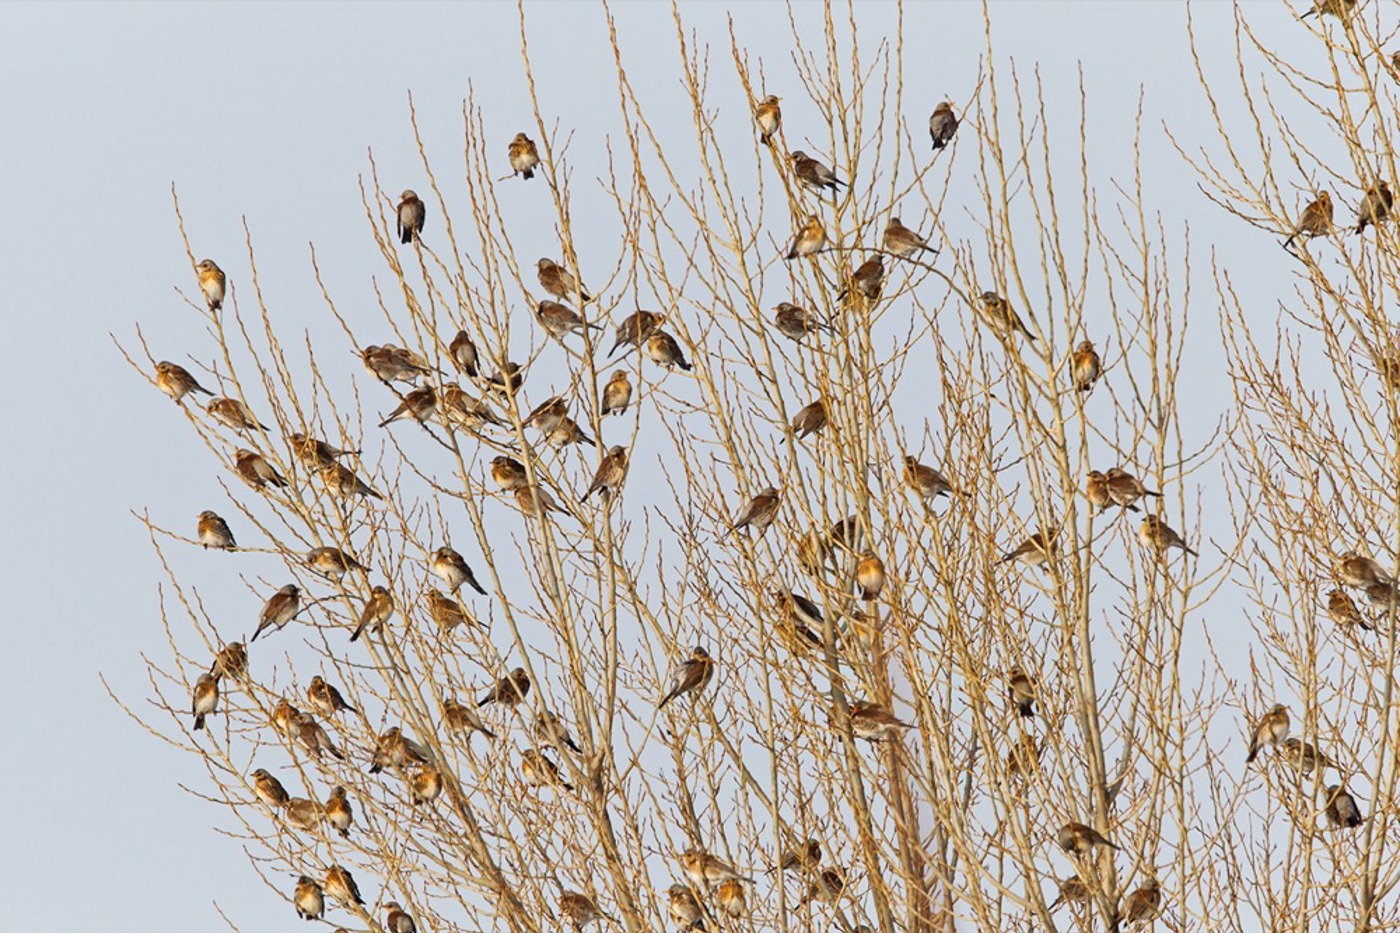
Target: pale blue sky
<point>266,111</point>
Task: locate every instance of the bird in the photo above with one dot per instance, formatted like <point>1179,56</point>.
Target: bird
<point>560,282</point>
<point>769,117</point>
<point>1024,757</point>
<point>795,322</point>
<point>904,242</point>
<point>568,431</point>
<point>811,419</point>
<point>213,532</point>
<point>874,722</point>
<point>338,811</point>
<point>1383,594</point>
<point>1035,551</point>
<point>758,512</point>
<point>1072,890</point>
<point>391,364</point>
<point>446,612</point>
<point>508,380</point>
<point>812,174</point>
<point>683,908</point>
<point>539,771</point>
<point>1096,488</point>
<point>535,501</point>
<point>396,919</point>
<point>325,698</point>
<point>826,887</point>
<point>1270,729</point>
<point>425,786</point>
<point>689,675</point>
<point>510,690</point>
<point>1125,489</point>
<point>463,352</point>
<point>1342,809</point>
<point>551,733</point>
<point>1354,569</point>
<point>1158,536</point>
<point>1375,206</point>
<point>232,413</point>
<point>1316,219</point>
<point>312,736</point>
<point>256,471</point>
<point>343,482</point>
<point>1304,755</point>
<point>997,312</point>
<point>524,157</point>
<point>811,238</point>
<point>280,609</point>
<point>1078,839</point>
<point>449,567</point>
<point>617,394</point>
<point>204,698</point>
<point>379,608</point>
<point>270,790</point>
<point>340,884</point>
<point>1022,691</point>
<point>611,473</point>
<point>866,281</point>
<point>707,871</point>
<point>420,405</point>
<point>410,215</point>
<point>547,415</point>
<point>1144,903</point>
<point>926,481</point>
<point>664,350</point>
<point>1338,8</point>
<point>635,329</point>
<point>802,610</point>
<point>315,452</point>
<point>393,749</point>
<point>230,661</point>
<point>508,473</point>
<point>212,283</point>
<point>331,562</point>
<point>461,410</point>
<point>870,576</point>
<point>175,380</point>
<point>942,125</point>
<point>1084,366</point>
<point>560,320</point>
<point>800,858</point>
<point>463,719</point>
<point>1342,610</point>
<point>304,813</point>
<point>309,899</point>
<point>580,909</point>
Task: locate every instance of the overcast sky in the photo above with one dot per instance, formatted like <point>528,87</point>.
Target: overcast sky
<point>267,112</point>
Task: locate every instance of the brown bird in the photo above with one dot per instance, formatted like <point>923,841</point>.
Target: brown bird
<point>204,699</point>
<point>689,675</point>
<point>213,532</point>
<point>1156,535</point>
<point>231,661</point>
<point>463,719</point>
<point>311,736</point>
<point>560,320</point>
<point>769,117</point>
<point>1078,839</point>
<point>663,349</point>
<point>1316,219</point>
<point>684,910</point>
<point>611,474</point>
<point>1338,8</point>
<point>304,814</point>
<point>534,502</point>
<point>1304,756</point>
<point>397,920</point>
<point>904,242</point>
<point>175,380</point>
<point>1084,366</point>
<point>539,771</point>
<point>463,352</point>
<point>1096,488</point>
<point>1342,809</point>
<point>1342,610</point>
<point>758,512</point>
<point>280,609</point>
<point>870,576</point>
<point>999,314</point>
<point>1144,903</point>
<point>730,896</point>
<point>1383,594</point>
<point>560,282</point>
<point>326,699</point>
<point>331,562</point>
<point>800,858</point>
<point>340,884</point>
<point>551,733</point>
<point>810,420</point>
<point>420,405</point>
<point>508,473</point>
<point>1375,206</point>
<point>1024,757</point>
<point>460,410</point>
<point>547,415</point>
<point>507,381</point>
<point>393,749</point>
<point>1271,730</point>
<point>379,608</point>
<point>309,899</point>
<point>410,215</point>
<point>314,452</point>
<point>232,413</point>
<point>567,432</point>
<point>524,157</point>
<point>212,282</point>
<point>1035,551</point>
<point>827,887</point>
<point>338,811</point>
<point>942,125</point>
<point>795,322</point>
<point>449,567</point>
<point>391,364</point>
<point>810,239</point>
<point>1355,570</point>
<point>446,612</point>
<point>812,174</point>
<point>1125,489</point>
<point>635,329</point>
<point>707,871</point>
<point>580,910</point>
<point>342,482</point>
<point>617,394</point>
<point>1022,691</point>
<point>510,690</point>
<point>270,790</point>
<point>866,281</point>
<point>927,482</point>
<point>874,722</point>
<point>425,786</point>
<point>1073,890</point>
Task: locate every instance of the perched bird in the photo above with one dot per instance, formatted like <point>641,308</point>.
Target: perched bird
<point>1035,551</point>
<point>463,353</point>
<point>1355,570</point>
<point>286,718</point>
<point>1022,690</point>
<point>904,242</point>
<point>663,349</point>
<point>280,609</point>
<point>213,532</point>
<point>420,405</point>
<point>800,858</point>
<point>560,282</point>
<point>508,473</point>
<point>635,329</point>
<point>338,812</point>
<point>303,813</point>
<point>1073,890</point>
<point>391,364</point>
<point>567,432</point>
<point>379,608</point>
<point>449,567</point>
<point>1316,219</point>
<point>560,320</point>
<point>611,474</point>
<point>866,281</point>
<point>769,117</point>
<point>1157,536</point>
<point>270,790</point>
<point>1078,839</point>
<point>579,909</point>
<point>1096,488</point>
<point>547,415</point>
<point>1338,8</point>
<point>1125,489</point>
<point>874,722</point>
<point>810,420</point>
<point>309,900</point>
<point>1342,610</point>
<point>689,675</point>
<point>1383,594</point>
<point>340,884</point>
<point>617,394</point>
<point>255,471</point>
<point>325,698</point>
<point>315,452</point>
<point>1084,366</point>
<point>393,749</point>
<point>312,736</point>
<point>1305,756</point>
<point>998,313</point>
<point>870,576</point>
<point>942,125</point>
<point>212,282</point>
<point>461,410</point>
<point>446,612</point>
<point>508,380</point>
<point>551,733</point>
<point>204,699</point>
<point>410,215</point>
<point>396,919</point>
<point>706,871</point>
<point>231,661</point>
<point>811,238</point>
<point>1024,757</point>
<point>730,897</point>
<point>1342,809</point>
<point>535,501</point>
<point>800,608</point>
<point>812,174</point>
<point>342,482</point>
<point>827,887</point>
<point>425,786</point>
<point>331,562</point>
<point>232,413</point>
<point>1144,903</point>
<point>1271,729</point>
<point>795,322</point>
<point>758,512</point>
<point>684,910</point>
<point>926,481</point>
<point>1375,206</point>
<point>524,157</point>
<point>539,771</point>
<point>463,719</point>
<point>510,690</point>
<point>175,380</point>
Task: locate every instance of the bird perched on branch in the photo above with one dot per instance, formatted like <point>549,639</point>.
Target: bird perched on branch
<point>1035,551</point>
<point>811,419</point>
<point>391,364</point>
<point>326,699</point>
<point>204,698</point>
<point>232,413</point>
<point>462,349</point>
<point>663,349</point>
<point>175,380</point>
<point>800,858</point>
<point>270,790</point>
<point>524,157</point>
<point>1354,569</point>
<point>708,871</point>
<point>315,452</point>
<point>1144,903</point>
<point>539,771</point>
<point>331,562</point>
<point>1022,691</point>
<point>338,811</point>
<point>997,312</point>
<point>508,473</point>
<point>309,899</point>
<point>213,532</point>
<point>379,608</point>
<point>280,609</point>
<point>1342,610</point>
<point>212,282</point>
<point>1342,809</point>
<point>795,322</point>
<point>617,394</point>
<point>340,884</point>
<point>420,405</point>
<point>689,675</point>
<point>942,125</point>
<point>560,320</point>
<point>866,281</point>
<point>1084,366</point>
<point>1375,206</point>
<point>611,474</point>
<point>813,174</point>
<point>874,722</point>
<point>635,329</point>
<point>758,512</point>
<point>683,908</point>
<point>410,215</point>
<point>926,481</point>
<point>1156,535</point>
<point>870,576</point>
<point>451,568</point>
<point>560,282</point>
<point>230,661</point>
<point>1316,219</point>
<point>1078,839</point>
<point>510,690</point>
<point>446,612</point>
<point>1341,9</point>
<point>904,242</point>
<point>810,239</point>
<point>462,719</point>
<point>769,117</point>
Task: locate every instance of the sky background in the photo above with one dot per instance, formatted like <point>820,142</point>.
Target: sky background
<point>266,112</point>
